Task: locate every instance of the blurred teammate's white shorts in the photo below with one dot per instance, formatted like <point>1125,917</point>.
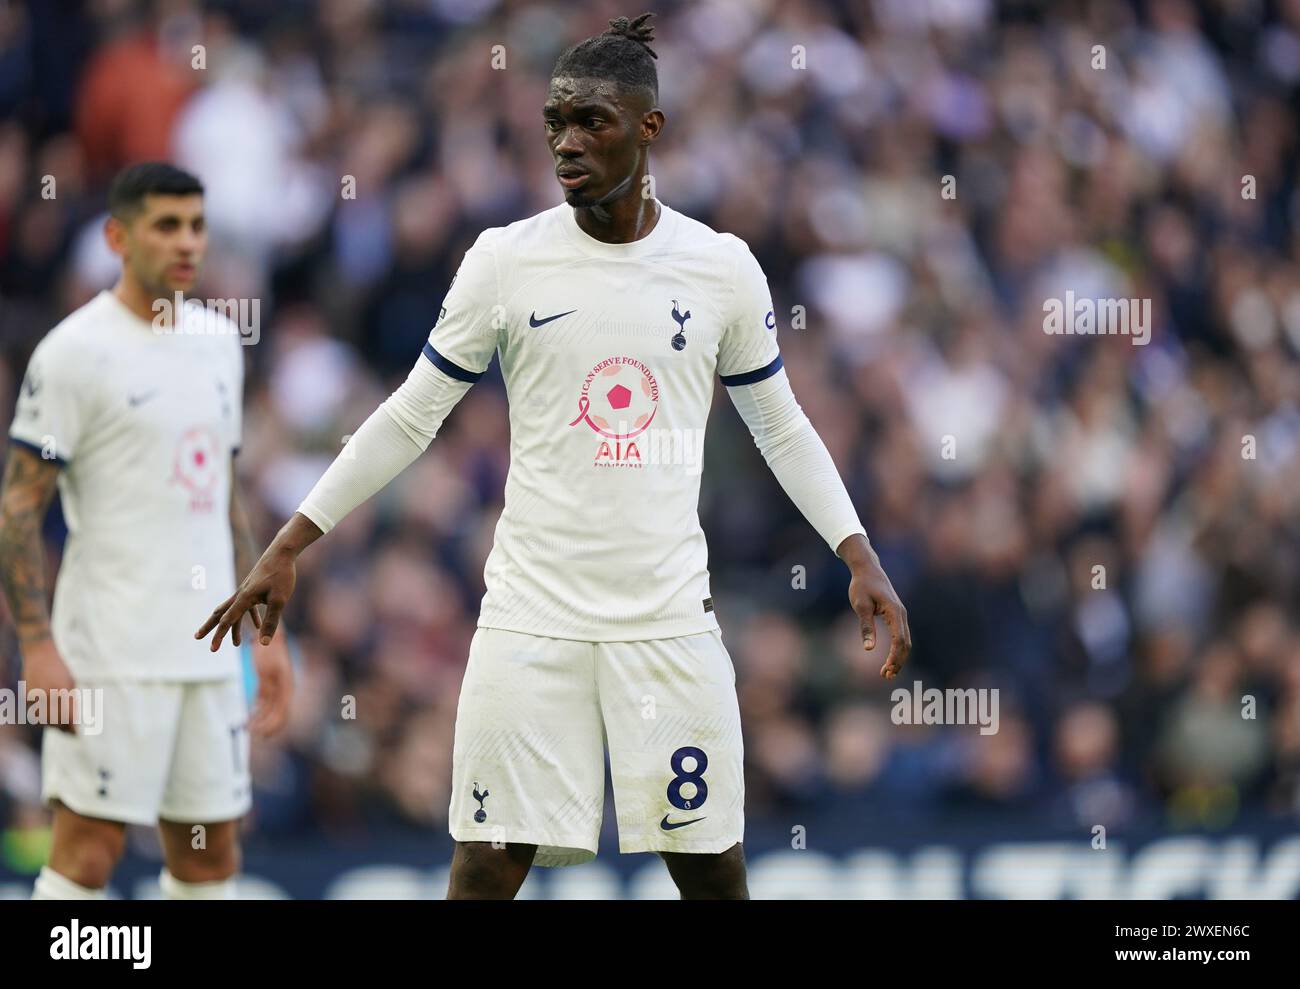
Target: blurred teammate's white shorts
<point>171,750</point>
<point>534,717</point>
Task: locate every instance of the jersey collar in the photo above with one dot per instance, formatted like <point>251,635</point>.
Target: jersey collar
<point>637,248</point>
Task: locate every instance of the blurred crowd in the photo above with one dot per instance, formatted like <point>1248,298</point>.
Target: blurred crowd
<point>1108,533</point>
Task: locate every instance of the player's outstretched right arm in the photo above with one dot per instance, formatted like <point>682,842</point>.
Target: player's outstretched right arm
<point>29,482</point>
<point>388,441</point>
<point>460,346</point>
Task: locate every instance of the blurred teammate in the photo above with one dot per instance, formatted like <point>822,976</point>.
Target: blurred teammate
<point>611,314</point>
<point>137,417</point>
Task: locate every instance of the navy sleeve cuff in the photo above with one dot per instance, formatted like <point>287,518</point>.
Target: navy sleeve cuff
<point>753,377</point>
<point>36,450</point>
<point>450,368</point>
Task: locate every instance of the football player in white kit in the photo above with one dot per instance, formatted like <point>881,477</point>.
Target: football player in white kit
<point>611,314</point>
<point>135,415</point>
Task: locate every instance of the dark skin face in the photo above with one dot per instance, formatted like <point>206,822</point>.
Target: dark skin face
<point>603,131</point>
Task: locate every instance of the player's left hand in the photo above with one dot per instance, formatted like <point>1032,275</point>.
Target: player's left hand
<point>274,686</point>
<point>871,594</point>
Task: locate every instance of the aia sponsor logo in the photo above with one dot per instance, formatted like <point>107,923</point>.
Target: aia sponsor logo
<point>196,467</point>
<point>618,400</point>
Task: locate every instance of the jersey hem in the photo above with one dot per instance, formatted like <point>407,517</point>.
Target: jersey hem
<point>642,633</point>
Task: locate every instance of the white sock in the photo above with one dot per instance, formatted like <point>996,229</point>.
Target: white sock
<point>52,886</point>
<point>174,889</point>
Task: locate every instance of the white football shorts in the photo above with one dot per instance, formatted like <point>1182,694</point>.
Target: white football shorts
<point>536,714</point>
<point>171,750</point>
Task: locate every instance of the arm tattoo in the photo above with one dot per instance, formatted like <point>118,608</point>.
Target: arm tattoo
<point>27,489</point>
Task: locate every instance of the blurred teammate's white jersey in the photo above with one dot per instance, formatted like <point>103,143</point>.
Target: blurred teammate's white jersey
<point>144,423</point>
<point>609,354</point>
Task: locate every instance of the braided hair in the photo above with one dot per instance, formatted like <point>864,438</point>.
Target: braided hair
<point>622,53</point>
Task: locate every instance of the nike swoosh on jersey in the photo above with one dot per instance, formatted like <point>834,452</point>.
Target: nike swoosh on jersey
<point>666,826</point>
<point>134,400</point>
<point>535,322</point>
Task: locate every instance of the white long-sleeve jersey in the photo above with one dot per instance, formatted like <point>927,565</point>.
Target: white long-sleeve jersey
<point>609,353</point>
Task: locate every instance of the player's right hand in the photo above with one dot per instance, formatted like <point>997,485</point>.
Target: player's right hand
<point>270,583</point>
<point>44,671</point>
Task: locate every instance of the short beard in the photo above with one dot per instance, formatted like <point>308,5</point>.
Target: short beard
<point>156,288</point>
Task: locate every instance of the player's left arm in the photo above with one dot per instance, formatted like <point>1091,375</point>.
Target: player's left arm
<point>241,531</point>
<point>749,363</point>
<point>274,668</point>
